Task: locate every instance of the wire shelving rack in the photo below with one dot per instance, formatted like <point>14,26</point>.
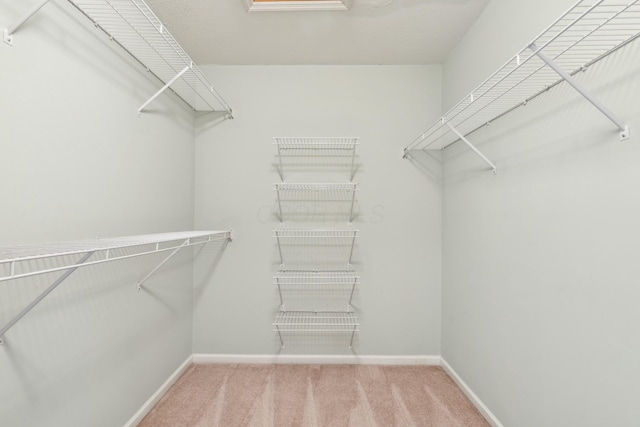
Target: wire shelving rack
<point>23,261</point>
<point>320,287</point>
<point>135,28</point>
<point>588,32</point>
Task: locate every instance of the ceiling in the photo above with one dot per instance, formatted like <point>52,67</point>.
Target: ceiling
<point>371,32</point>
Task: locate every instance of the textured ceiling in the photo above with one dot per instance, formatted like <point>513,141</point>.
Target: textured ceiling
<point>371,32</point>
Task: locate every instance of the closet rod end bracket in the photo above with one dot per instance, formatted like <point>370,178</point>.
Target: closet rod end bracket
<point>625,134</point>
<point>7,38</point>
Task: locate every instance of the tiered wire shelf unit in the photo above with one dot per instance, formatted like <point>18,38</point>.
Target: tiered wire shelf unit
<point>586,33</point>
<point>18,262</point>
<point>133,26</point>
<point>330,250</point>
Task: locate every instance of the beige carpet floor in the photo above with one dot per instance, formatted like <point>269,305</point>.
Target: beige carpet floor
<point>314,395</point>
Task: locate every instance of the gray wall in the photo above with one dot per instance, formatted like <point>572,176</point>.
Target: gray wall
<point>540,295</point>
<point>398,255</point>
<point>77,163</point>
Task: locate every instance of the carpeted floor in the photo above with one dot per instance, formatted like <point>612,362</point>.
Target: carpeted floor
<point>314,395</point>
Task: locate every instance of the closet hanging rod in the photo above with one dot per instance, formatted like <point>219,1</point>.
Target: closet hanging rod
<point>588,32</point>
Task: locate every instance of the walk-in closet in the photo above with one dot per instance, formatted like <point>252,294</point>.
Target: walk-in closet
<point>319,213</point>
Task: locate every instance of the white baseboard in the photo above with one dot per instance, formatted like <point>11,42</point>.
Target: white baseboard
<point>481,407</point>
<point>155,398</point>
<point>317,359</point>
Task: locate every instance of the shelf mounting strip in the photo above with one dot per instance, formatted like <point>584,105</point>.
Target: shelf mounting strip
<point>135,28</point>
<point>16,259</point>
<point>588,32</point>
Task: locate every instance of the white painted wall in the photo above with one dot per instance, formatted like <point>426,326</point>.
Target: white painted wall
<point>77,163</point>
<point>398,255</point>
<point>540,295</point>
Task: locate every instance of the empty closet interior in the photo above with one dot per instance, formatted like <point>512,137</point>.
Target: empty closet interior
<point>467,199</point>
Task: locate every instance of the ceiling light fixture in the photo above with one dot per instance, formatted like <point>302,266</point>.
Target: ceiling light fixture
<point>296,5</point>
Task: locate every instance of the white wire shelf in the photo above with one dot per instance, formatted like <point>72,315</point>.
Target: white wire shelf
<point>312,280</point>
<point>316,322</point>
<point>133,26</point>
<point>317,143</point>
<point>343,148</point>
<point>316,277</point>
<point>304,247</point>
<point>348,187</point>
<point>316,201</point>
<point>15,258</point>
<point>139,31</point>
<point>29,260</point>
<point>314,233</point>
<point>586,33</point>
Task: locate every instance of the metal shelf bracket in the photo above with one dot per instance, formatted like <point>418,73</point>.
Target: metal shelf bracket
<point>624,129</point>
<point>470,145</point>
<point>353,245</point>
<point>163,262</point>
<point>7,34</point>
<point>40,297</point>
<point>353,334</point>
<point>165,87</point>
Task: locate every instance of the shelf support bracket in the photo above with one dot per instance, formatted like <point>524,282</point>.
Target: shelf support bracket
<point>280,293</point>
<point>353,334</point>
<point>7,34</point>
<point>353,244</point>
<point>165,87</point>
<point>353,202</point>
<point>624,129</point>
<point>281,218</point>
<point>279,247</point>
<point>152,272</point>
<point>42,296</point>
<point>353,289</point>
<point>353,160</point>
<point>475,150</point>
<point>280,161</point>
<point>280,336</point>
